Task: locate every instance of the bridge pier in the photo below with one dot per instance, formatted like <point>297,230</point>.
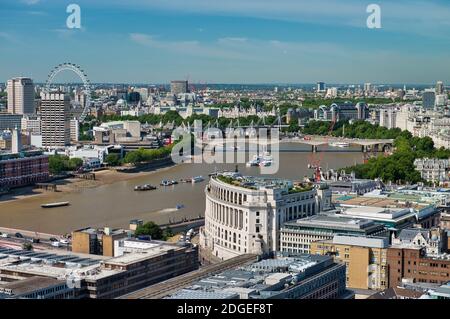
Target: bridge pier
<point>314,148</point>
<point>364,148</point>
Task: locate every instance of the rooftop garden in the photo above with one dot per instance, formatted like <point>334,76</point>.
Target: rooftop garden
<point>301,188</point>
<point>235,182</point>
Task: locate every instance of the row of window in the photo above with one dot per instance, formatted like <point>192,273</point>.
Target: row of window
<point>227,215</point>
<point>228,196</point>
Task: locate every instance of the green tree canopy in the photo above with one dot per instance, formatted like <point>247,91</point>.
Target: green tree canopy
<point>112,159</point>
<point>150,229</point>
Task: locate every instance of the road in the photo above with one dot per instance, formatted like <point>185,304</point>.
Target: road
<point>12,241</point>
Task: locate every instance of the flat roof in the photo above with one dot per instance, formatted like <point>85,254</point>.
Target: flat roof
<point>260,279</point>
<point>377,213</point>
<point>101,231</point>
<point>195,294</point>
<point>362,241</point>
<point>142,254</point>
<point>28,285</point>
<point>335,221</point>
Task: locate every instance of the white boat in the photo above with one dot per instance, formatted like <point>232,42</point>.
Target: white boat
<point>52,205</point>
<point>255,161</point>
<point>145,187</point>
<point>266,160</point>
<point>197,179</point>
<point>168,183</point>
<point>339,144</point>
<point>265,163</point>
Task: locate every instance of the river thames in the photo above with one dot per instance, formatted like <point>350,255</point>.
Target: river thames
<point>115,204</point>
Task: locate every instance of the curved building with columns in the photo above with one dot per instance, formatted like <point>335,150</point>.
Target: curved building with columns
<point>244,214</point>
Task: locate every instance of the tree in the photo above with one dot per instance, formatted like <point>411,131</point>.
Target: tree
<point>132,157</point>
<point>150,229</point>
<point>57,164</point>
<point>112,159</point>
<point>27,246</point>
<point>74,163</point>
<point>167,233</point>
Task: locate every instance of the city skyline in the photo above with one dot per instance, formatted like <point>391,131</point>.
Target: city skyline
<point>256,42</point>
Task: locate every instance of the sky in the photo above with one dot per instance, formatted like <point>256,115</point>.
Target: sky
<point>229,41</point>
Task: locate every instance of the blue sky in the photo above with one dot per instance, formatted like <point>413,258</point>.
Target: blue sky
<point>229,41</point>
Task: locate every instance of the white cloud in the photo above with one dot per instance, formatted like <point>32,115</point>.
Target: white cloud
<point>191,47</point>
<point>425,17</point>
<point>6,36</point>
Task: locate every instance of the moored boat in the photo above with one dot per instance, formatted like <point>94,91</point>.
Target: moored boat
<point>256,160</point>
<point>52,205</point>
<point>145,187</point>
<point>197,179</point>
<point>168,183</point>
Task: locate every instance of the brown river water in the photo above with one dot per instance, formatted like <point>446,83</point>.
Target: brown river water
<point>115,204</point>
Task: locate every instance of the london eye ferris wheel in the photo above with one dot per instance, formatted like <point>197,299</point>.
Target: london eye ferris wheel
<point>81,74</point>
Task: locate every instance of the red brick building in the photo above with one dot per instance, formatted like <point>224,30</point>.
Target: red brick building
<point>22,170</point>
<point>411,262</point>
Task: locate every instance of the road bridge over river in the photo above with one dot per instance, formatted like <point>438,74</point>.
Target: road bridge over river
<point>377,145</point>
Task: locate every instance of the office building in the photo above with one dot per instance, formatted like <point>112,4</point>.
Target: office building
<point>118,131</point>
<point>22,170</point>
<point>143,93</point>
<point>321,87</point>
<point>365,259</point>
<point>412,263</point>
<point>10,121</point>
<point>20,96</point>
<point>100,277</point>
<point>441,100</point>
<point>440,88</point>
<point>342,112</point>
<point>388,118</point>
<point>36,287</point>
<point>179,87</point>
<point>74,130</point>
<point>331,93</point>
<point>428,99</point>
<point>96,241</point>
<point>80,99</point>
<point>55,120</point>
<point>245,214</point>
<point>297,236</point>
<point>396,210</point>
<point>296,277</point>
<point>31,124</point>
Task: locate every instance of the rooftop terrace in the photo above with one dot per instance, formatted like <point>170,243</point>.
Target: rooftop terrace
<point>260,183</point>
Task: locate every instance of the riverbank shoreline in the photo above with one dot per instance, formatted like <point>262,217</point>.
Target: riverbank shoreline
<point>75,185</point>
